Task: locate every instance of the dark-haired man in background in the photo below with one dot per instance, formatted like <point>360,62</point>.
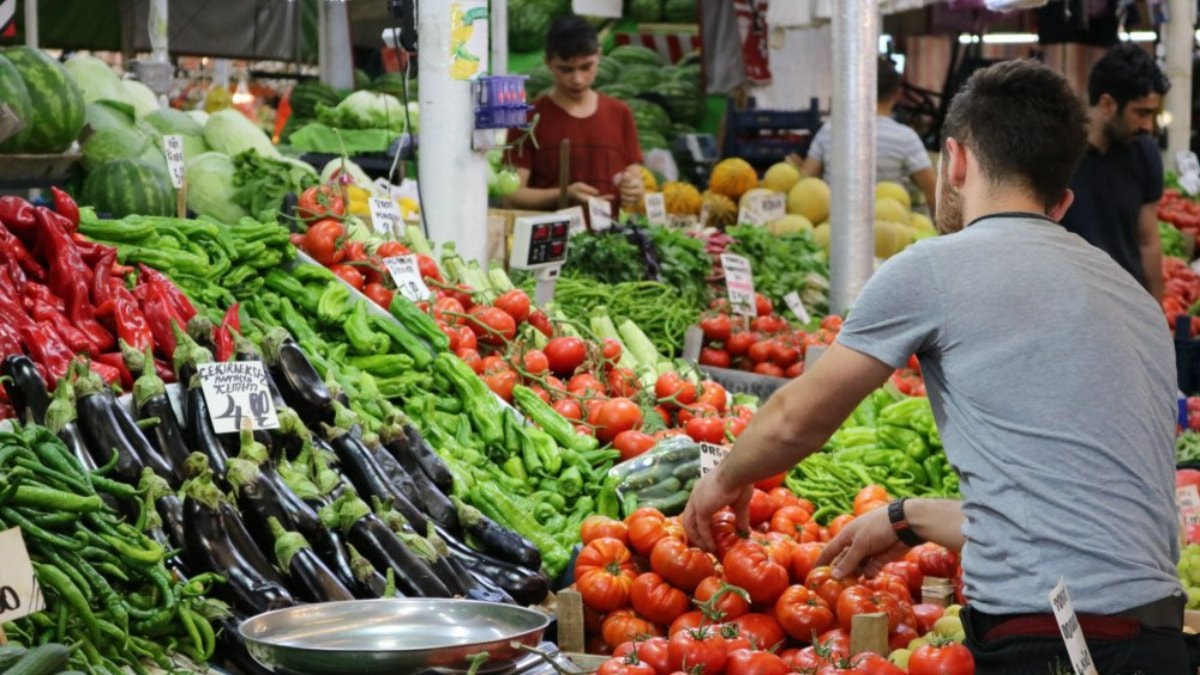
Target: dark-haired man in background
<point>1120,179</point>
<point>605,155</point>
<point>1052,490</point>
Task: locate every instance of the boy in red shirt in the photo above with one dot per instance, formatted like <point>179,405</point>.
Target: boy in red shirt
<point>605,155</point>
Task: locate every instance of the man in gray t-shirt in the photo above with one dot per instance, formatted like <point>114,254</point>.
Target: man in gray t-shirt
<point>1051,374</point>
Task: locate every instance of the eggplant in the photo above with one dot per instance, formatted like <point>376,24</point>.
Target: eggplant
<point>150,401</point>
<point>370,584</point>
<point>370,479</point>
<point>216,540</point>
<point>298,381</point>
<point>168,507</point>
<point>62,421</point>
<point>525,586</point>
<point>418,489</point>
<point>245,350</point>
<point>427,458</point>
<point>471,586</point>
<point>103,433</point>
<point>199,434</point>
<point>25,388</point>
<point>311,579</point>
<point>384,549</point>
<point>497,539</point>
<point>290,439</point>
<point>141,445</point>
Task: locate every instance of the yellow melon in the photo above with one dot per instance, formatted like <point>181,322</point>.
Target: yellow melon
<point>733,177</point>
<point>722,212</point>
<point>820,236</point>
<point>683,199</point>
<point>922,222</point>
<point>781,177</point>
<point>891,210</point>
<point>891,238</point>
<point>649,180</point>
<point>809,197</point>
<point>893,190</point>
<point>789,224</point>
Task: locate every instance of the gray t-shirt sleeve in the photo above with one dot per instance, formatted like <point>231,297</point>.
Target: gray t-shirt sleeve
<point>898,312</point>
<point>819,147</point>
<point>916,157</point>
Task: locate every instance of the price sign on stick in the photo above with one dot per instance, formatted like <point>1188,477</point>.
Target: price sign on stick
<point>711,455</point>
<point>1072,633</point>
<point>795,304</point>
<point>600,211</point>
<point>407,274</point>
<point>385,216</point>
<point>739,283</point>
<point>20,594</point>
<point>578,221</point>
<point>237,394</point>
<point>656,208</point>
<point>173,149</point>
<point>772,207</point>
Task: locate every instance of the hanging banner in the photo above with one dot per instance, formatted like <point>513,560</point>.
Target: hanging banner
<point>8,18</point>
<point>468,39</point>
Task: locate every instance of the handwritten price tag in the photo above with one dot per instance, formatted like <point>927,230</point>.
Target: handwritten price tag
<point>739,284</point>
<point>656,208</point>
<point>1187,499</point>
<point>20,594</point>
<point>711,455</point>
<point>237,395</point>
<point>772,206</point>
<point>600,210</point>
<point>173,149</point>
<point>578,221</point>
<point>795,304</point>
<point>407,274</point>
<point>1072,633</point>
<point>385,216</point>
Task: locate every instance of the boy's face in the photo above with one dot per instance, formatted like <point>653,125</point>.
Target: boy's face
<point>573,77</point>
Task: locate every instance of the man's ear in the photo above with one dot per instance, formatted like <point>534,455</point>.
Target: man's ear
<point>1060,209</point>
<point>956,160</point>
<point>1108,106</point>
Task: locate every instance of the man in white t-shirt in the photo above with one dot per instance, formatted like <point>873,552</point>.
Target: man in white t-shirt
<point>900,157</point>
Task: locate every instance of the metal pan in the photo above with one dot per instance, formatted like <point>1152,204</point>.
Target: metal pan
<point>392,636</point>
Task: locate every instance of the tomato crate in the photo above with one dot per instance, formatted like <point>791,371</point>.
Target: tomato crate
<point>734,381</point>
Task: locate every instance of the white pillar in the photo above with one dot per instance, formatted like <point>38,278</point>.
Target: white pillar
<point>852,165</point>
<point>159,33</point>
<point>453,177</point>
<point>499,37</point>
<point>334,58</point>
<point>1180,37</point>
<point>31,23</point>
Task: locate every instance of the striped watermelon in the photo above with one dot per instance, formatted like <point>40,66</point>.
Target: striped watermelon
<point>128,186</point>
<point>13,92</point>
<point>56,106</point>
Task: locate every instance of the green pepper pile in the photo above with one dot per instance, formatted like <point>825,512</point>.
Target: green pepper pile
<point>105,583</point>
<point>1187,447</point>
<point>889,441</point>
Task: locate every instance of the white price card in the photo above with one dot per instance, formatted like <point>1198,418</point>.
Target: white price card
<point>705,212</point>
<point>711,455</point>
<point>1186,162</point>
<point>739,283</point>
<point>578,221</point>
<point>1187,499</point>
<point>1190,182</point>
<point>772,206</point>
<point>607,8</point>
<point>237,395</point>
<point>406,272</point>
<point>656,208</point>
<point>600,211</point>
<point>20,594</point>
<point>1072,633</point>
<point>795,304</point>
<point>173,149</point>
<point>385,216</point>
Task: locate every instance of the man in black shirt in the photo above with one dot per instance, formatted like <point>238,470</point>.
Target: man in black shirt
<point>1120,179</point>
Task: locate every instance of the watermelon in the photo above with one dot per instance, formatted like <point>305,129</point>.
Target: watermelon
<point>681,100</point>
<point>692,58</point>
<point>528,24</point>
<point>361,79</point>
<point>305,96</point>
<point>649,116</point>
<point>630,55</point>
<point>618,91</point>
<point>393,85</point>
<point>607,72</point>
<point>652,140</point>
<point>540,79</point>
<point>646,11</point>
<point>678,130</point>
<point>13,92</point>
<point>641,78</point>
<point>680,11</point>
<point>56,106</point>
<point>130,186</point>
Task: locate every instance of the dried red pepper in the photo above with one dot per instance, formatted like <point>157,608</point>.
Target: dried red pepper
<point>70,279</point>
<point>102,292</point>
<point>10,341</point>
<point>180,304</point>
<point>156,308</point>
<point>47,348</point>
<point>130,323</point>
<point>17,214</point>
<point>66,207</point>
<point>223,333</point>
<point>12,249</point>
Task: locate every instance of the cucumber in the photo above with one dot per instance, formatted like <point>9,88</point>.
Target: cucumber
<point>661,490</point>
<point>10,654</point>
<point>47,659</point>
<point>691,483</point>
<point>644,479</point>
<point>669,506</point>
<point>687,470</point>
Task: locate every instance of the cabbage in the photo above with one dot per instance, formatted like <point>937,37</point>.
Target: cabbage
<point>210,187</point>
<point>140,97</point>
<point>360,177</point>
<point>113,143</point>
<point>199,115</point>
<point>172,121</point>
<point>364,110</point>
<point>96,81</point>
<point>229,132</point>
<point>109,115</point>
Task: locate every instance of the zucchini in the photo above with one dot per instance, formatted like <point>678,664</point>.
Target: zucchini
<point>669,506</point>
<point>47,659</point>
<point>661,490</point>
<point>687,470</point>
<point>10,654</point>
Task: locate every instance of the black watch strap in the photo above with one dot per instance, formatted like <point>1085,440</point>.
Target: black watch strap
<point>900,524</point>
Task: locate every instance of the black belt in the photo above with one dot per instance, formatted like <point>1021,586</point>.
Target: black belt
<point>1165,613</point>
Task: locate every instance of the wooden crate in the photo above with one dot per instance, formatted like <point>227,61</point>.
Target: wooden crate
<point>499,232</point>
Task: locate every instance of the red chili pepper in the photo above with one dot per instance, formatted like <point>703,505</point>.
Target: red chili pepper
<point>127,316</point>
<point>16,213</point>
<point>164,370</point>
<point>43,295</point>
<point>10,341</point>
<point>7,412</point>
<point>223,334</point>
<point>109,374</point>
<point>12,312</point>
<point>159,317</point>
<point>66,207</point>
<point>116,362</point>
<point>179,302</point>
<point>47,348</point>
<point>102,292</point>
<point>89,251</point>
<point>70,278</point>
<point>11,248</point>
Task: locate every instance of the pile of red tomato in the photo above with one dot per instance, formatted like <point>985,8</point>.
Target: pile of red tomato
<point>759,606</point>
<point>1181,290</point>
<point>765,345</point>
<point>1178,210</point>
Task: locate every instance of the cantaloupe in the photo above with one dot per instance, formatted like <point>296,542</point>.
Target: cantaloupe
<point>809,197</point>
<point>781,177</point>
<point>732,177</point>
<point>789,224</point>
<point>894,190</point>
<point>820,236</point>
<point>683,199</point>
<point>722,212</point>
<point>890,210</point>
<point>891,238</point>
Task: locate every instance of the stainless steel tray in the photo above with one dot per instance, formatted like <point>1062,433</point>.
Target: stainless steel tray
<point>391,636</point>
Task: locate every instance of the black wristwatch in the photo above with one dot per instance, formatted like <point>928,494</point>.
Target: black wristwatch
<point>900,524</point>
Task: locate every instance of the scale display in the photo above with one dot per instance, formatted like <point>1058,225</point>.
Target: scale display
<point>540,242</point>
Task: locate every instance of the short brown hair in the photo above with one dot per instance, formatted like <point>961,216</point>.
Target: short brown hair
<point>1024,124</point>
